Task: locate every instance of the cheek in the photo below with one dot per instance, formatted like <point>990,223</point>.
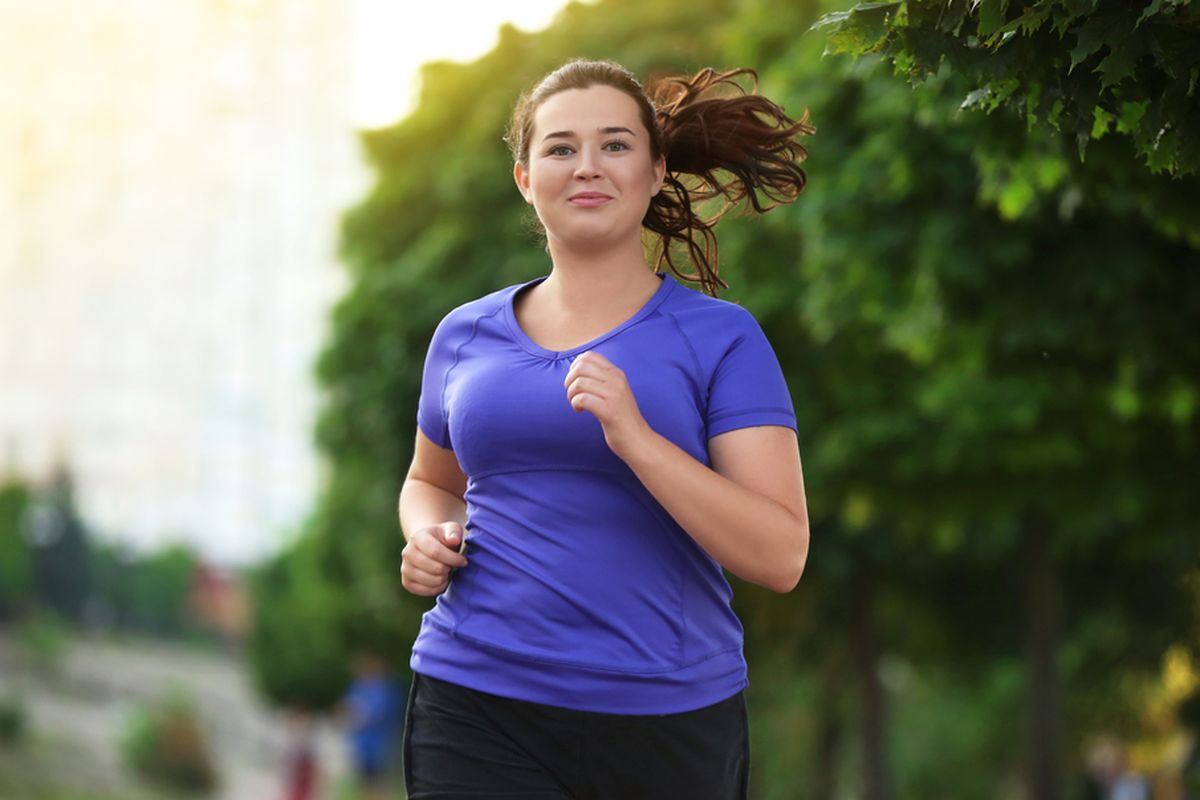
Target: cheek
<point>544,179</point>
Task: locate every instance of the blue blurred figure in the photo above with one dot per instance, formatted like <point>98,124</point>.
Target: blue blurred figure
<point>371,711</point>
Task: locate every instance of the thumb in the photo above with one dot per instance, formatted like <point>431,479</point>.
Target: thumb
<point>451,533</point>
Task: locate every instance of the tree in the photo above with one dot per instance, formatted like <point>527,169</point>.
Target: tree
<point>62,577</point>
<point>15,563</point>
<point>1007,386</point>
<point>1081,68</point>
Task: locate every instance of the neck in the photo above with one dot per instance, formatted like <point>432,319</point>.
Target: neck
<point>586,279</point>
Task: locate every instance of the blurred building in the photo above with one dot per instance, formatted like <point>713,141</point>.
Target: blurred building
<point>171,178</point>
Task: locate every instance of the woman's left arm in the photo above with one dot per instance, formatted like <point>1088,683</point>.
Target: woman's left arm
<point>747,511</point>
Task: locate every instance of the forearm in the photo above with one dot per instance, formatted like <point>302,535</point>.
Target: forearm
<point>747,533</point>
<point>422,505</point>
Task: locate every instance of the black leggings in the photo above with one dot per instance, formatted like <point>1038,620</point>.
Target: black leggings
<point>463,743</point>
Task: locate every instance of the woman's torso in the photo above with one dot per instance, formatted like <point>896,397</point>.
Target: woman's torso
<point>581,590</point>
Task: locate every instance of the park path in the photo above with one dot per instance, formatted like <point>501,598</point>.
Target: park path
<point>85,701</point>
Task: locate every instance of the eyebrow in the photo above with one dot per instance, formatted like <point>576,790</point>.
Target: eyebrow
<point>569,134</point>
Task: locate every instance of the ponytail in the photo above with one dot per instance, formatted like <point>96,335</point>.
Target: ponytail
<point>746,135</point>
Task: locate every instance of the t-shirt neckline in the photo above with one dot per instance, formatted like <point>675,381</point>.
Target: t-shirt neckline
<point>518,334</point>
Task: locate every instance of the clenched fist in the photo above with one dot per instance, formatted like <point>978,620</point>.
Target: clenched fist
<point>429,556</point>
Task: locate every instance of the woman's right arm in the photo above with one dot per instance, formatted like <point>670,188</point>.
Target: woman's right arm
<point>433,512</point>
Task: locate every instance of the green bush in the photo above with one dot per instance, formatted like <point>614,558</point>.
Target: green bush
<point>43,640</point>
<point>165,743</point>
<point>12,720</point>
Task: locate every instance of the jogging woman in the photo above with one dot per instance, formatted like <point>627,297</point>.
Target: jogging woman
<point>594,445</point>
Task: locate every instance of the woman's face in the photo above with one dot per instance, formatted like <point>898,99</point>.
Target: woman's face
<point>590,141</point>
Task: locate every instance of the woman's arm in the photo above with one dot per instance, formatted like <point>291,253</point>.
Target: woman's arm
<point>748,511</point>
<point>433,489</point>
<point>433,514</point>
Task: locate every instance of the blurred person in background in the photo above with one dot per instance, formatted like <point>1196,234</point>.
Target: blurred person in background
<point>300,757</point>
<point>1109,775</point>
<point>370,713</point>
<point>626,437</point>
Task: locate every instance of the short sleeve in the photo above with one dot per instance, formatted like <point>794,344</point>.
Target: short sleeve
<point>748,387</point>
<point>439,359</point>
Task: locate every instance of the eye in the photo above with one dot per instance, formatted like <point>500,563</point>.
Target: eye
<point>553,150</point>
<point>623,145</point>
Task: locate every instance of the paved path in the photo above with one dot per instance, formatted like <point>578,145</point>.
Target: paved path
<point>85,706</point>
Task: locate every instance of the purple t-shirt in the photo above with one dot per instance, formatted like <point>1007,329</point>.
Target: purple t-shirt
<point>582,591</point>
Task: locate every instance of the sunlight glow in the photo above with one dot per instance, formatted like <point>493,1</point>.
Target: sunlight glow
<point>393,38</point>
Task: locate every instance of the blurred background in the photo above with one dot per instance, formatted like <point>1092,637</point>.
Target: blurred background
<point>229,227</point>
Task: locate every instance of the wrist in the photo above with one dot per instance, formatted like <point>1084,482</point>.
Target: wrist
<point>645,451</point>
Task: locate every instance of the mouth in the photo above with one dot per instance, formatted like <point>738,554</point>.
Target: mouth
<point>589,199</point>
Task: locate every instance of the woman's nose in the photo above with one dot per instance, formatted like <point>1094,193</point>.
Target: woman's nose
<point>587,166</point>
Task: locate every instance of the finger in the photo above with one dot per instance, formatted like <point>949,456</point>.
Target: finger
<point>585,401</point>
<point>435,549</point>
<point>415,580</point>
<point>425,564</point>
<point>422,589</point>
<point>587,362</point>
<point>590,385</point>
<point>448,535</point>
<point>454,537</point>
<point>421,580</point>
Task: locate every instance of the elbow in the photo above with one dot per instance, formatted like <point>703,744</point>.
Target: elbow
<point>794,566</point>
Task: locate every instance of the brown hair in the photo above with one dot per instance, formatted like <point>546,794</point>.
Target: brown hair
<point>700,135</point>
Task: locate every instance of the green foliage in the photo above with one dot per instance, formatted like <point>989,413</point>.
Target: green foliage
<point>164,742</point>
<point>12,720</point>
<point>62,579</point>
<point>16,569</point>
<point>951,723</point>
<point>298,651</point>
<point>43,639</point>
<point>48,564</point>
<point>1084,69</point>
<point>147,594</point>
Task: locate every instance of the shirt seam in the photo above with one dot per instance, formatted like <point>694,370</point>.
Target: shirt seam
<point>701,398</point>
<point>544,467</point>
<point>756,410</point>
<point>446,377</point>
<point>576,664</point>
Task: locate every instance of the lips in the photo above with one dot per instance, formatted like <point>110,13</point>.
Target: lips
<point>589,198</point>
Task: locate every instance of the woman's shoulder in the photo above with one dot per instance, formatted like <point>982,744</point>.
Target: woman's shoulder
<point>702,313</point>
<point>467,313</point>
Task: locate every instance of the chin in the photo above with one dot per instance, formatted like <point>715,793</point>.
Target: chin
<point>599,228</point>
<point>584,233</point>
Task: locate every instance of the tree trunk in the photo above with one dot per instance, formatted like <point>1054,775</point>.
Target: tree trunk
<point>876,781</point>
<point>829,730</point>
<point>1042,601</point>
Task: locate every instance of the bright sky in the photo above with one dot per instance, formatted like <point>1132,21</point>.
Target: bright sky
<point>394,37</point>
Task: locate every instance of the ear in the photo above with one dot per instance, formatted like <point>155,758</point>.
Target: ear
<point>660,172</point>
<point>521,177</point>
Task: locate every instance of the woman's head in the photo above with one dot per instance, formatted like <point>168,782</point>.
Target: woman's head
<point>590,167</point>
<point>676,129</point>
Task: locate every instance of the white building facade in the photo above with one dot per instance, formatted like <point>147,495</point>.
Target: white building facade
<point>171,181</point>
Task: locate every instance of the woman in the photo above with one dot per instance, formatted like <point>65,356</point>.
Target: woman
<point>605,439</point>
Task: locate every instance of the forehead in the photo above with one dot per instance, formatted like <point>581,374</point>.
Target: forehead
<point>585,110</point>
